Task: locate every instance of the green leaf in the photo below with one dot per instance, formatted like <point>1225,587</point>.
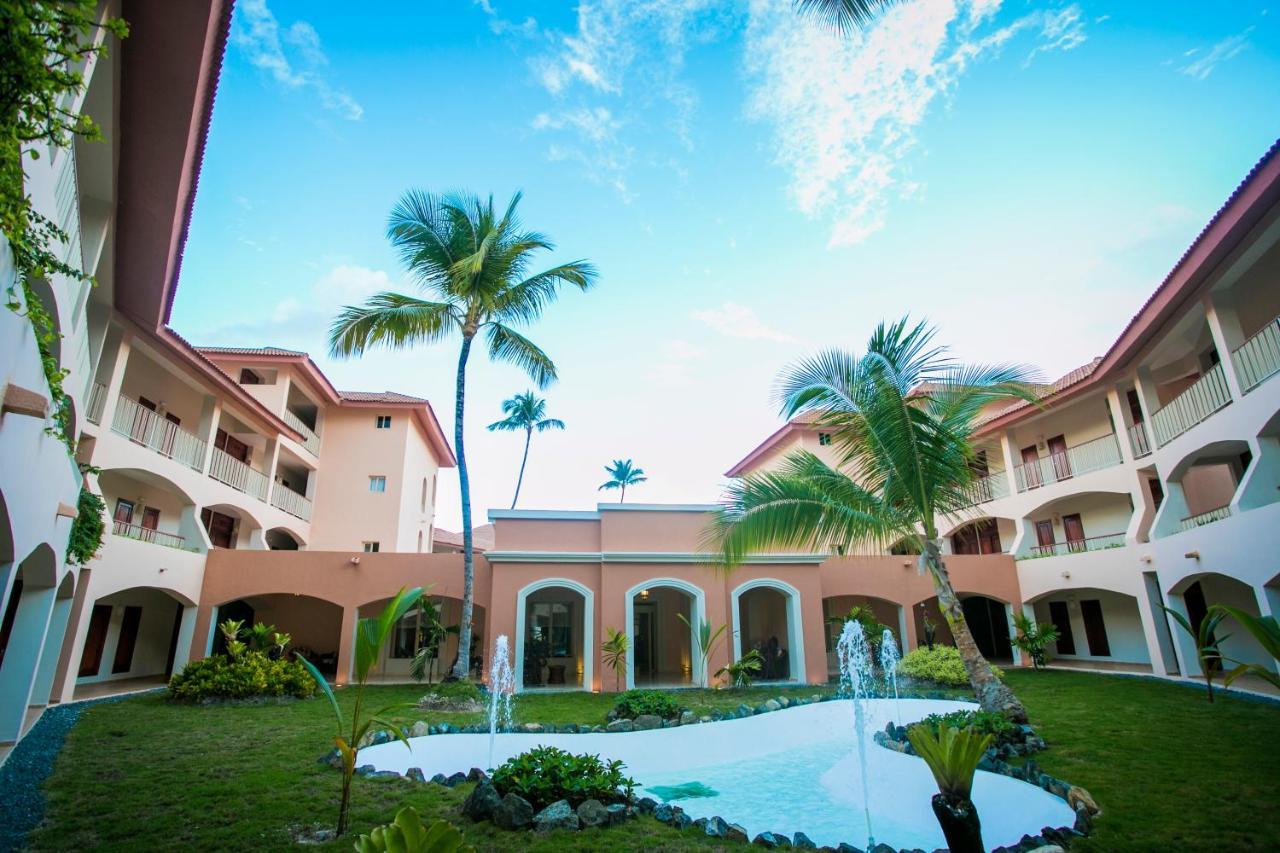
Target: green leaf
<point>324,687</point>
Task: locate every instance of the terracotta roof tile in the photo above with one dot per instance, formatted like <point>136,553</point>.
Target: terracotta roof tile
<point>379,397</point>
<point>250,351</point>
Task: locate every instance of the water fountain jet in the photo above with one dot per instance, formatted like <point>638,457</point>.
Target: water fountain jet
<point>889,668</point>
<point>502,685</point>
<point>855,681</point>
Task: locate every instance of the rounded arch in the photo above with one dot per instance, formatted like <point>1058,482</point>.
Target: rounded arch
<point>284,538</point>
<point>184,600</point>
<point>795,622</point>
<point>49,301</point>
<point>314,623</point>
<point>959,524</point>
<point>149,478</point>
<point>698,600</point>
<point>67,588</point>
<point>1215,451</point>
<point>1075,498</point>
<point>239,512</point>
<point>588,626</point>
<point>40,567</point>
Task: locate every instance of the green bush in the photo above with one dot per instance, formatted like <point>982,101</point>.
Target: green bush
<point>545,775</point>
<point>408,834</point>
<point>983,722</point>
<point>458,690</point>
<point>248,675</point>
<point>940,664</point>
<point>634,703</point>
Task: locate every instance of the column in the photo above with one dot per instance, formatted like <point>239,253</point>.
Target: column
<point>1148,401</point>
<point>54,635</point>
<point>1156,628</point>
<point>346,645</point>
<point>1224,326</point>
<point>1120,423</point>
<point>115,378</point>
<point>64,679</point>
<point>210,415</point>
<point>1008,618</point>
<point>186,635</point>
<point>1011,459</point>
<point>202,636</point>
<point>22,659</point>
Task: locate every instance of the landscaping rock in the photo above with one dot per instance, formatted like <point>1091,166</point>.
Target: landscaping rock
<point>384,774</point>
<point>646,805</point>
<point>771,840</point>
<point>416,774</point>
<point>482,802</point>
<point>646,722</point>
<point>803,842</point>
<point>617,813</point>
<point>456,779</point>
<point>1078,796</point>
<point>513,812</point>
<point>745,711</point>
<point>882,848</point>
<point>848,848</point>
<point>593,813</point>
<point>621,726</point>
<point>716,827</point>
<point>558,815</point>
<point>475,774</point>
<point>333,759</point>
<point>687,718</point>
<point>532,729</point>
<point>737,832</point>
<point>665,813</point>
<point>419,729</point>
<point>568,729</point>
<point>772,705</point>
<point>1084,820</point>
<point>701,825</point>
<point>682,820</point>
<point>440,779</point>
<point>1047,848</point>
<point>761,709</point>
<point>366,770</point>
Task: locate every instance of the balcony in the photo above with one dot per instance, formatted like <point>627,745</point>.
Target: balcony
<point>146,534</point>
<point>67,199</point>
<point>1078,546</point>
<point>225,468</point>
<point>1138,441</point>
<point>1258,358</point>
<point>988,488</point>
<point>97,402</point>
<point>282,497</point>
<point>310,440</point>
<point>1083,458</point>
<point>1191,522</point>
<point>1207,395</point>
<point>141,425</point>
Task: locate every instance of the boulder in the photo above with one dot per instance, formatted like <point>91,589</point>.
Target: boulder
<point>665,813</point>
<point>532,728</point>
<point>745,711</point>
<point>475,774</point>
<point>716,827</point>
<point>366,770</point>
<point>513,812</point>
<point>593,813</point>
<point>803,842</point>
<point>762,709</point>
<point>333,759</point>
<point>1078,796</point>
<point>646,722</point>
<point>621,726</point>
<point>1084,820</point>
<point>440,779</point>
<point>384,774</point>
<point>482,802</point>
<point>848,848</point>
<point>682,820</point>
<point>1047,848</point>
<point>456,779</point>
<point>419,729</point>
<point>416,774</point>
<point>771,840</point>
<point>558,815</point>
<point>617,813</point>
<point>882,848</point>
<point>688,718</point>
<point>646,805</point>
<point>737,832</point>
<point>773,705</point>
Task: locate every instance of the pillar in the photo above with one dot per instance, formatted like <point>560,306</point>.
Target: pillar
<point>186,636</point>
<point>347,645</point>
<point>1227,334</point>
<point>115,378</point>
<point>64,679</point>
<point>54,635</point>
<point>22,659</point>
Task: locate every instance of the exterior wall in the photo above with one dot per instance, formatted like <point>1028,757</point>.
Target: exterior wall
<point>417,507</point>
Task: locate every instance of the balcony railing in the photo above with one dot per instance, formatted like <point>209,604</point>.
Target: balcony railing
<point>310,440</point>
<point>1259,357</point>
<point>97,402</point>
<point>225,468</point>
<point>1079,546</point>
<point>1191,522</point>
<point>160,434</point>
<point>146,534</point>
<point>1081,459</point>
<point>1138,441</point>
<point>988,488</point>
<point>67,198</point>
<point>1206,395</point>
<point>285,498</point>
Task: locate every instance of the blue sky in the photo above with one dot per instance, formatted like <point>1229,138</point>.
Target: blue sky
<point>751,188</point>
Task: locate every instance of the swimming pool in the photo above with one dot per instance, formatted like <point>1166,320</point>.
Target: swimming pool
<point>787,771</point>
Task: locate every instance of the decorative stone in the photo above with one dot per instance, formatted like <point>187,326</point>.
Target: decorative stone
<point>772,705</point>
<point>784,701</point>
<point>384,774</point>
<point>366,769</point>
<point>716,827</point>
<point>771,840</point>
<point>646,722</point>
<point>482,802</point>
<point>803,842</point>
<point>1047,848</point>
<point>621,726</point>
<point>1084,820</point>
<point>513,812</point>
<point>558,815</point>
<point>762,709</point>
<point>456,779</point>
<point>333,759</point>
<point>646,805</point>
<point>617,813</point>
<point>475,774</point>
<point>416,774</point>
<point>848,848</point>
<point>568,729</point>
<point>701,825</point>
<point>745,711</point>
<point>1078,796</point>
<point>682,820</point>
<point>665,813</point>
<point>737,832</point>
<point>593,813</point>
<point>533,729</point>
<point>687,718</point>
<point>419,729</point>
<point>882,848</point>
<point>440,779</point>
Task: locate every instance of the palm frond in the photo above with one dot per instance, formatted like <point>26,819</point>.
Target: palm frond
<point>523,302</point>
<point>844,16</point>
<point>391,320</point>
<point>507,345</point>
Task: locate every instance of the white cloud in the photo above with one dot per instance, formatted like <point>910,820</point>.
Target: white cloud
<point>1227,49</point>
<point>739,321</point>
<point>845,110</point>
<point>671,367</point>
<point>256,32</point>
<point>594,144</point>
<point>501,26</point>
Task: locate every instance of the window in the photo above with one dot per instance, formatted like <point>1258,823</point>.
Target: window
<point>419,541</point>
<point>549,627</point>
<point>377,483</point>
<point>371,547</point>
<point>383,422</point>
<point>424,496</point>
<point>824,439</point>
<point>124,511</point>
<point>248,377</point>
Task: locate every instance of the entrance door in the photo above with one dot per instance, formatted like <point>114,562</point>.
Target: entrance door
<point>173,642</point>
<point>644,663</point>
<point>1061,620</point>
<point>234,447</point>
<point>99,622</point>
<point>124,512</point>
<point>1073,527</point>
<point>123,661</point>
<point>150,523</point>
<point>221,528</point>
<point>1031,467</point>
<point>1044,536</point>
<point>1058,453</point>
<point>1095,630</point>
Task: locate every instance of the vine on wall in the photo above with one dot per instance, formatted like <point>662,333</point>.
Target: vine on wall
<point>88,528</point>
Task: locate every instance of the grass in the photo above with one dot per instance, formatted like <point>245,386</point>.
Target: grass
<point>1170,771</point>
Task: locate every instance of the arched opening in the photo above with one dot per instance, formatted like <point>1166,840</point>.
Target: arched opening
<point>147,507</point>
<point>1203,485</point>
<point>281,539</point>
<point>23,629</point>
<point>132,641</point>
<point>554,639</point>
<point>313,624</point>
<point>1193,596</point>
<point>1096,628</point>
<point>1084,521</point>
<point>229,526</point>
<point>982,536</point>
<point>837,609</point>
<point>766,617</point>
<point>433,626</point>
<point>988,621</point>
<point>663,616</point>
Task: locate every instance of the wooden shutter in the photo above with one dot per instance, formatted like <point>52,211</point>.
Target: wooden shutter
<point>91,658</point>
<point>128,639</point>
<point>1095,630</point>
<point>1061,620</point>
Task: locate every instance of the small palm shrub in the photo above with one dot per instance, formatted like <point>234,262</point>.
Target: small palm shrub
<point>952,756</point>
<point>634,703</point>
<point>254,666</point>
<point>545,775</point>
<point>743,671</point>
<point>940,664</point>
<point>408,834</point>
<point>983,722</point>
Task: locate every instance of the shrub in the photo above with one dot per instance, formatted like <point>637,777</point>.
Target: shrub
<point>545,775</point>
<point>248,675</point>
<point>634,703</point>
<point>983,722</point>
<point>454,696</point>
<point>408,834</point>
<point>940,664</point>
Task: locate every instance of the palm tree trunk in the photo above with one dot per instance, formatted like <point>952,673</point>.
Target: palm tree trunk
<point>992,693</point>
<point>528,436</point>
<point>463,665</point>
<point>623,499</point>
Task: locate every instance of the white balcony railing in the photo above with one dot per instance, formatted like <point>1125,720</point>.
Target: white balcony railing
<point>162,435</point>
<point>285,498</point>
<point>988,488</point>
<point>97,402</point>
<point>225,468</point>
<point>1259,357</point>
<point>1205,396</point>
<point>1083,458</point>
<point>146,534</point>
<point>1138,441</point>
<point>310,440</point>
<point>1079,546</point>
<point>67,198</point>
<point>1201,519</point>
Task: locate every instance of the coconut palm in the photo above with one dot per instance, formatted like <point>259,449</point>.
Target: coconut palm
<point>525,411</point>
<point>622,474</point>
<point>901,417</point>
<point>472,264</point>
<point>845,15</point>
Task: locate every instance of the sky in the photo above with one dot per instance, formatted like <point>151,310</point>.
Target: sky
<point>752,188</point>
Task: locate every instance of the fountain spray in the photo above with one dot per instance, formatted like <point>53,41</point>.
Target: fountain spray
<point>855,680</point>
<point>501,686</point>
<point>889,668</point>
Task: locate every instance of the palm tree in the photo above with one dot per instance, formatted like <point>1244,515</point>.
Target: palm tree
<point>901,417</point>
<point>525,411</point>
<point>622,474</point>
<point>474,265</point>
<point>845,15</point>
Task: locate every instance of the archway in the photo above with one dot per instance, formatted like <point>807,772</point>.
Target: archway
<point>555,639</point>
<point>23,629</point>
<point>766,616</point>
<point>981,536</point>
<point>1096,626</point>
<point>662,619</point>
<point>314,625</point>
<point>229,526</point>
<point>282,539</point>
<point>414,631</point>
<point>133,640</point>
<point>988,620</point>
<point>836,608</point>
<point>1194,595</point>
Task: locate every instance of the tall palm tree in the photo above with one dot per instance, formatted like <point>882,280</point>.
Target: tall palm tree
<point>525,411</point>
<point>901,418</point>
<point>622,474</point>
<point>473,265</point>
<point>845,15</point>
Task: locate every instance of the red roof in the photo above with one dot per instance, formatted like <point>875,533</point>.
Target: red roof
<point>380,397</point>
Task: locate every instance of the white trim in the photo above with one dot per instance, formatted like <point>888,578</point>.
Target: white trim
<point>588,627</point>
<point>543,556</point>
<point>645,557</point>
<point>543,515</point>
<point>795,625</point>
<point>621,507</point>
<point>697,613</point>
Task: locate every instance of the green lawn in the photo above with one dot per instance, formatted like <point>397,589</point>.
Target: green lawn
<point>1170,771</point>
